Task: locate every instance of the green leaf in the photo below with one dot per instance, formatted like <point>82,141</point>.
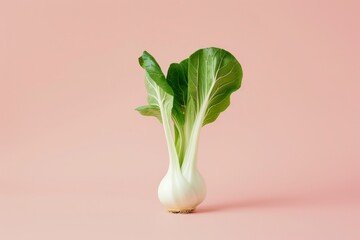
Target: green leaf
<point>154,72</point>
<point>150,110</point>
<point>160,94</point>
<point>178,80</point>
<point>214,74</point>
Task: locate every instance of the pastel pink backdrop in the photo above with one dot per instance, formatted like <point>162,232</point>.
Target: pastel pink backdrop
<point>77,162</point>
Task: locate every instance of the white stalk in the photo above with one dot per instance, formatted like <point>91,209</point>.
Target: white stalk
<point>173,158</point>
<point>189,167</point>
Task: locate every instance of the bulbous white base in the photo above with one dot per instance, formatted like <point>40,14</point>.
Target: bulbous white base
<point>180,194</point>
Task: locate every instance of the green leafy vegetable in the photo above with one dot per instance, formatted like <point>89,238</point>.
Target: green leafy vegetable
<point>193,94</point>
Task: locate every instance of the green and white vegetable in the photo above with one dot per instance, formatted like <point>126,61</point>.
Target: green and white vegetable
<point>193,94</point>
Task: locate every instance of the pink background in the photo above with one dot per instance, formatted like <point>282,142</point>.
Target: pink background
<point>77,162</point>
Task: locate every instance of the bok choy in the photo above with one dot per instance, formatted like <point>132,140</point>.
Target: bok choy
<point>192,94</point>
